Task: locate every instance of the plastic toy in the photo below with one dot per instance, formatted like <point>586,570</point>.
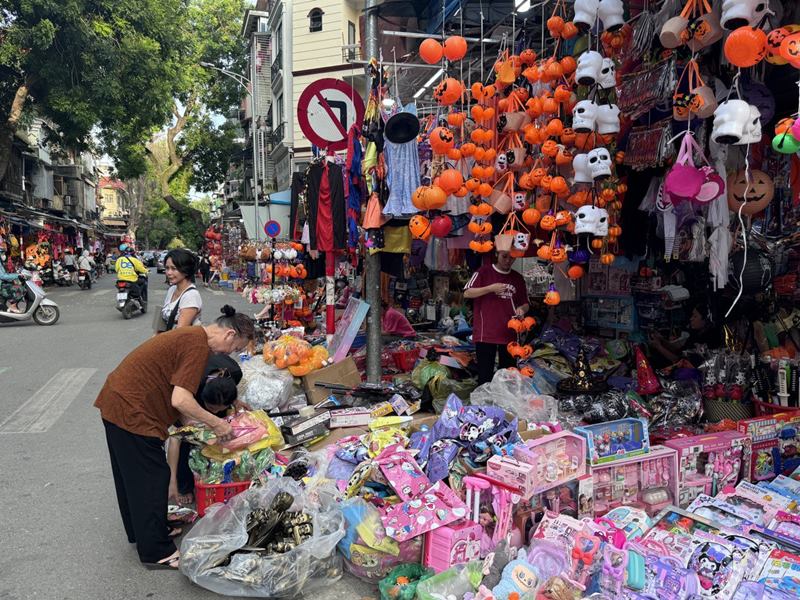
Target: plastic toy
<point>514,473</point>
<point>557,458</point>
<point>763,461</point>
<point>708,463</point>
<point>633,522</point>
<point>614,440</point>
<point>518,576</point>
<point>648,481</point>
<point>583,555</point>
<point>460,542</point>
<point>615,561</point>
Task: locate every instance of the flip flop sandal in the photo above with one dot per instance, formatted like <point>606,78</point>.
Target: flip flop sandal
<point>166,564</point>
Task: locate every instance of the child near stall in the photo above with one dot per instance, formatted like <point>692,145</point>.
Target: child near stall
<point>394,323</point>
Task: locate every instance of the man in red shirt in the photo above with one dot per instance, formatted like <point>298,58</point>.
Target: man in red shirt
<point>498,293</point>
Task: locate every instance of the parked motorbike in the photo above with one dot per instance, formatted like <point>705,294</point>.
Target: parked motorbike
<point>38,307</point>
<point>129,298</point>
<point>84,279</point>
<point>61,276</point>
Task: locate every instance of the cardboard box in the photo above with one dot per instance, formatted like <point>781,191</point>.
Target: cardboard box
<point>299,425</point>
<point>304,436</point>
<point>343,373</point>
<point>350,417</point>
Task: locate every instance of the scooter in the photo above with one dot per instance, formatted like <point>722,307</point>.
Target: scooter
<point>37,306</point>
<point>129,299</point>
<point>84,279</point>
<point>61,276</point>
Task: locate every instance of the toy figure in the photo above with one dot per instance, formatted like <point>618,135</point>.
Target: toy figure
<point>518,576</point>
<point>764,466</point>
<point>712,564</point>
<point>557,588</point>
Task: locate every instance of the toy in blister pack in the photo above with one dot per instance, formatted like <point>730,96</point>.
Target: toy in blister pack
<point>615,561</point>
<point>548,557</point>
<point>714,566</point>
<point>782,572</point>
<point>633,522</point>
<point>786,486</point>
<point>437,507</point>
<point>665,577</point>
<point>752,590</point>
<point>518,576</point>
<point>719,511</point>
<point>789,438</point>
<point>788,526</point>
<point>584,550</point>
<point>615,439</point>
<point>762,462</point>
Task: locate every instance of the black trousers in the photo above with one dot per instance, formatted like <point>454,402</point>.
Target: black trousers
<point>206,273</point>
<point>486,354</point>
<point>184,475</point>
<point>141,477</point>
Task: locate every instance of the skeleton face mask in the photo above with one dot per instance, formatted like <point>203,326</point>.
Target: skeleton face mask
<point>584,116</point>
<point>593,220</point>
<point>600,163</point>
<point>738,13</point>
<point>611,14</point>
<point>608,74</point>
<point>581,165</point>
<point>590,64</point>
<point>607,119</point>
<point>752,132</point>
<point>585,13</point>
<point>731,120</point>
<point>518,201</point>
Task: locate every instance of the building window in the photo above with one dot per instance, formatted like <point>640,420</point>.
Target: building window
<point>277,41</point>
<point>315,20</point>
<point>351,40</point>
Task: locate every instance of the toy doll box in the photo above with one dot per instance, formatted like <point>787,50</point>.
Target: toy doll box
<point>514,473</point>
<point>762,462</point>
<point>606,442</point>
<point>557,459</point>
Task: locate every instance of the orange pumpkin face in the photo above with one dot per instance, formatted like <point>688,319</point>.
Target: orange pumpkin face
<point>550,148</point>
<point>442,140</point>
<point>558,254</point>
<point>559,185</point>
<point>448,91</point>
<point>545,183</point>
<point>420,227</point>
<point>552,297</point>
<point>548,223</point>
<point>745,46</point>
<point>527,56</point>
<point>543,252</point>
<point>774,40</point>
<point>531,216</point>
<point>755,194</point>
<point>568,136</point>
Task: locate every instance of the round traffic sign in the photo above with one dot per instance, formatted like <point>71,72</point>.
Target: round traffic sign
<point>326,111</point>
<point>272,229</point>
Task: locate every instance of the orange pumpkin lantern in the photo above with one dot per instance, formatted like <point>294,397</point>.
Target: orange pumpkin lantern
<point>745,46</point>
<point>548,223</point>
<point>569,31</point>
<point>442,140</point>
<point>554,25</point>
<point>456,119</point>
<point>527,56</point>
<point>448,91</point>
<point>472,184</point>
<point>550,148</point>
<point>774,39</point>
<point>455,48</point>
<point>531,216</point>
<point>454,154</point>
<point>420,227</point>
<point>451,180</point>
<point>575,272</point>
<point>549,106</point>
<point>431,51</point>
<point>568,65</point>
<point>554,127</point>
<point>558,185</point>
<point>552,297</point>
<point>543,252</point>
<point>568,136</point>
<point>597,243</point>
<point>607,258</point>
<point>467,149</point>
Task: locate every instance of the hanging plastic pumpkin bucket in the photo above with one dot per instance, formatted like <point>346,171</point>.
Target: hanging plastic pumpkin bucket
<point>503,242</point>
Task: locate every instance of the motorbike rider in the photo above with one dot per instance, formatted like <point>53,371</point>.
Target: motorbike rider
<point>10,292</point>
<point>69,265</point>
<point>128,268</point>
<point>86,263</point>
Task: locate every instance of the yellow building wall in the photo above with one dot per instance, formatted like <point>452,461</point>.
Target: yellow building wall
<point>109,201</point>
<point>319,49</point>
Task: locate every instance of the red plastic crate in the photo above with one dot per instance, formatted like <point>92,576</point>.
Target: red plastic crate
<point>406,359</point>
<point>207,494</point>
<point>764,409</point>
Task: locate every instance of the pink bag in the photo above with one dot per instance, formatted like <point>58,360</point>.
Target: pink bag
<point>684,180</point>
<point>246,430</point>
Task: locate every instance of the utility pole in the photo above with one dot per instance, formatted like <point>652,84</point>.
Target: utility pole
<point>372,262</point>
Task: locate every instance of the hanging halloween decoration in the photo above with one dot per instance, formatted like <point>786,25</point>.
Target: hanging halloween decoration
<point>420,227</point>
<point>441,226</point>
<point>455,48</point>
<point>431,51</point>
<point>442,140</point>
<point>752,196</point>
<point>448,92</point>
<point>745,47</point>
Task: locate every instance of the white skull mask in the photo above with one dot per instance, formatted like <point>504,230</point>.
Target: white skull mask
<point>521,241</point>
<point>518,201</point>
<point>607,119</point>
<point>738,13</point>
<point>611,14</point>
<point>501,164</point>
<point>731,120</point>
<point>752,133</point>
<point>600,163</point>
<point>585,13</point>
<point>593,220</point>
<point>581,165</point>
<point>608,74</point>
<point>584,116</point>
<point>590,63</point>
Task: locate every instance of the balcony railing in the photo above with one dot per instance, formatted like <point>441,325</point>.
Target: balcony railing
<point>277,134</point>
<point>277,65</point>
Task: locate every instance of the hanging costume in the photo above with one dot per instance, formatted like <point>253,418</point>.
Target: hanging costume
<point>402,174</point>
<point>327,220</point>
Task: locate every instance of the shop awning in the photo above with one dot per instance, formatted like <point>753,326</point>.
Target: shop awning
<point>284,197</point>
<point>114,223</point>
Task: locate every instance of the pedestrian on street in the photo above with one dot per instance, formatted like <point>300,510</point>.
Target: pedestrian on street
<point>69,265</point>
<point>498,293</point>
<point>183,303</point>
<point>150,390</point>
<point>205,268</point>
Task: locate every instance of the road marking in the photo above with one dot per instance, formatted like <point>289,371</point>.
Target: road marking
<point>68,294</point>
<point>46,406</point>
<point>100,292</point>
<point>4,369</point>
<point>217,292</point>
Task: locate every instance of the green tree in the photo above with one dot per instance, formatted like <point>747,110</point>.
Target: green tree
<point>110,64</point>
<point>191,145</point>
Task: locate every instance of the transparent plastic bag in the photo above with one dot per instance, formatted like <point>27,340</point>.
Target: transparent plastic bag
<point>263,386</point>
<point>455,581</point>
<point>512,392</point>
<point>314,563</point>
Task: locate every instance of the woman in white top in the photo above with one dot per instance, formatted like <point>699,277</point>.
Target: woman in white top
<point>183,300</point>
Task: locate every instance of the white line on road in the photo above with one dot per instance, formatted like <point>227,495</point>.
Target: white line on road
<point>4,369</point>
<point>100,292</point>
<point>46,406</point>
<point>68,294</point>
<point>217,292</point>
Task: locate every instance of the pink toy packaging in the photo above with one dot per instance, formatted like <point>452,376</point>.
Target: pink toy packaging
<point>708,463</point>
<point>514,473</point>
<point>437,507</point>
<point>606,442</point>
<point>556,458</point>
<point>648,482</point>
<point>403,473</point>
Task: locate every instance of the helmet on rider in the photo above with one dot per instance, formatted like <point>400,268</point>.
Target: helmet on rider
<point>124,248</point>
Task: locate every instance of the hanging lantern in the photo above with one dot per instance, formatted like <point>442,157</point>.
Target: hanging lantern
<point>441,226</point>
<point>431,51</point>
<point>451,180</point>
<point>455,48</point>
<point>448,92</point>
<point>441,140</point>
<point>745,46</point>
<point>420,227</point>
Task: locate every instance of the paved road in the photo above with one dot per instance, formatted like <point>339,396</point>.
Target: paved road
<point>61,534</point>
